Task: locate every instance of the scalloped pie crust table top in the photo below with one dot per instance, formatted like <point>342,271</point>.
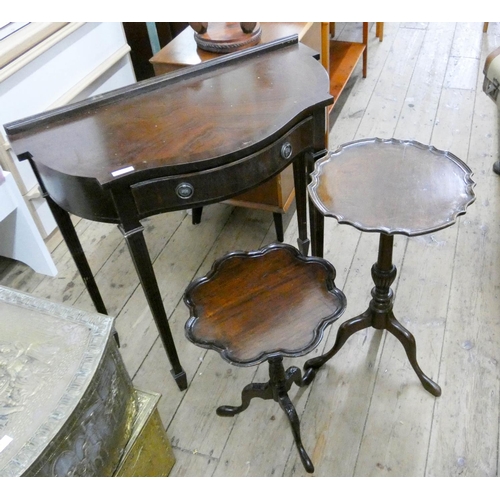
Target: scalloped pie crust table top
<point>392,186</point>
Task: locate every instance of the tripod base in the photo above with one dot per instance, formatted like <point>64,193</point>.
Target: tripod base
<point>379,315</point>
<point>366,320</point>
<point>277,389</point>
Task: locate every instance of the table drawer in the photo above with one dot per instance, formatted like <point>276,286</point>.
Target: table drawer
<point>217,184</point>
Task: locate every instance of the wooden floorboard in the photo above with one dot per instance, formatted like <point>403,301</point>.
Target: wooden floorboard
<point>366,413</point>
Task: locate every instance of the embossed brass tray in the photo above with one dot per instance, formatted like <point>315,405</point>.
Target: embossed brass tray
<point>67,404</point>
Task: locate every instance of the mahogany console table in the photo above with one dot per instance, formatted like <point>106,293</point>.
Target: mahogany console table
<point>182,140</point>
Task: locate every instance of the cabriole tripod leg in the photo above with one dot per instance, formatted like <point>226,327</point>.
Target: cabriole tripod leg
<point>290,411</point>
<point>262,391</point>
<point>345,331</point>
<point>280,381</point>
<point>408,340</point>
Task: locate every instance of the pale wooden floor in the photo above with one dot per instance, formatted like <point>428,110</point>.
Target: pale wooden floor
<point>366,413</point>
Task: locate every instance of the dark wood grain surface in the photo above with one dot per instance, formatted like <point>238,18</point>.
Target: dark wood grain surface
<point>392,186</point>
<point>254,304</point>
<point>191,119</point>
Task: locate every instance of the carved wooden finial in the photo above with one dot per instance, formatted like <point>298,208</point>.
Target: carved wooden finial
<point>199,27</point>
<point>247,27</point>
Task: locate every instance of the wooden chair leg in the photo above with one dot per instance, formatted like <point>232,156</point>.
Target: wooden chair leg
<point>325,46</point>
<point>365,52</point>
<point>379,31</point>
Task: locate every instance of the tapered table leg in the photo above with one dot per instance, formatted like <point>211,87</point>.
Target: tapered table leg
<point>68,232</point>
<point>300,169</point>
<point>317,223</point>
<point>142,262</point>
<point>133,232</point>
<point>278,226</point>
<point>196,215</point>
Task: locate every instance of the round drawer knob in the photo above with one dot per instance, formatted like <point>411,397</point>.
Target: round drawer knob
<point>184,190</point>
<point>286,150</point>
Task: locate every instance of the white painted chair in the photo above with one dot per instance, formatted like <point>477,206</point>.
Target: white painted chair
<point>19,237</point>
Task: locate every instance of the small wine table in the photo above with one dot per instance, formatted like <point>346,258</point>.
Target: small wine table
<point>390,187</point>
<point>261,306</point>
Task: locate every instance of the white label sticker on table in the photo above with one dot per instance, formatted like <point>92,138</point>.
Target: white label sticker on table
<point>121,171</point>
